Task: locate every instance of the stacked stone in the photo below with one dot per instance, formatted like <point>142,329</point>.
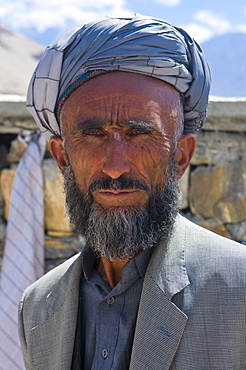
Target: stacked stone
<point>217,192</point>
<point>213,187</point>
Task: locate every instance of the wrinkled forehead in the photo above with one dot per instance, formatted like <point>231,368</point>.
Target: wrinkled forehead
<point>125,84</point>
<point>121,97</point>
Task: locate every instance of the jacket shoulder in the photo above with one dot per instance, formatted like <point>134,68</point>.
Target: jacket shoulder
<point>47,282</point>
<point>210,252</point>
<point>56,292</point>
<point>35,301</point>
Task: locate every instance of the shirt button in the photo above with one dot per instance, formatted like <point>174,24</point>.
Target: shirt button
<point>104,353</point>
<point>110,300</point>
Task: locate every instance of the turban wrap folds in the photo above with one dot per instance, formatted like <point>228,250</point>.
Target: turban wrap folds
<point>141,44</point>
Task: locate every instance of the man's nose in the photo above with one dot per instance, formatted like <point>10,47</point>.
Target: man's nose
<point>116,161</point>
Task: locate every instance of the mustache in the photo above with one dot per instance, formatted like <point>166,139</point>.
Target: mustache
<point>121,183</point>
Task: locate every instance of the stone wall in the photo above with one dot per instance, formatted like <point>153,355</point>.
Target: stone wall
<point>213,188</point>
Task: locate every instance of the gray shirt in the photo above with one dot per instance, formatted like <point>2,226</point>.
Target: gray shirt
<point>108,316</point>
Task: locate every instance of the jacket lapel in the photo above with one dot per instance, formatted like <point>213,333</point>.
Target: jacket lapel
<point>56,335</point>
<point>160,324</point>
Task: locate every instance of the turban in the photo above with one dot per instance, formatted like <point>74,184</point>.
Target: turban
<point>141,44</point>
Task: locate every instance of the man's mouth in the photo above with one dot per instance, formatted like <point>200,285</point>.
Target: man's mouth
<point>117,192</point>
<point>122,184</point>
<point>120,197</point>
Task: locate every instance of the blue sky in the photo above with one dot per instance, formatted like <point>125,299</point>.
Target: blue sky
<point>45,20</point>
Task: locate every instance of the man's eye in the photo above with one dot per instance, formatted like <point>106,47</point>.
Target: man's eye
<point>93,133</point>
<point>139,131</point>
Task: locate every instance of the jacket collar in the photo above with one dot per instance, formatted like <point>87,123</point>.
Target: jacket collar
<point>160,324</point>
<point>167,265</point>
<point>68,283</point>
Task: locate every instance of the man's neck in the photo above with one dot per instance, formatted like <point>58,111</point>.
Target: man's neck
<point>111,271</point>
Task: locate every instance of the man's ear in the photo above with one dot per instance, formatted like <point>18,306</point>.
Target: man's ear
<point>56,148</point>
<point>185,149</point>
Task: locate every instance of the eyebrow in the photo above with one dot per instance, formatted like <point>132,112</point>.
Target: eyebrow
<point>92,123</point>
<point>140,124</point>
<point>89,124</point>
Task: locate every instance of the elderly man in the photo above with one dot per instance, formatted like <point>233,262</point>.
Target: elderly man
<point>119,101</point>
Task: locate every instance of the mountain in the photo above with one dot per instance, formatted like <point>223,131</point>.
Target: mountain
<point>19,56</point>
<point>227,59</point>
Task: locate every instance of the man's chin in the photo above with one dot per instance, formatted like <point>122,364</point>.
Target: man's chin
<point>119,208</point>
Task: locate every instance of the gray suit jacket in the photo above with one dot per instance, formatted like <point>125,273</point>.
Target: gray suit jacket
<point>191,314</point>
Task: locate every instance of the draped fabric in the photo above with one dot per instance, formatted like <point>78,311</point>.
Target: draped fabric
<point>23,260</point>
<point>141,44</point>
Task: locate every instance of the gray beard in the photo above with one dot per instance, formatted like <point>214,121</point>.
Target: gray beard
<point>122,232</point>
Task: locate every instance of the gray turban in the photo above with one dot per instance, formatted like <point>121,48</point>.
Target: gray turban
<point>142,45</point>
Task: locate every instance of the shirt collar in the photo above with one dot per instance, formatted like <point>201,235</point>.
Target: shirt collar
<point>135,267</point>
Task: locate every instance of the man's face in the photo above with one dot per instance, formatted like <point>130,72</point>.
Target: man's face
<point>121,123</point>
<point>121,126</point>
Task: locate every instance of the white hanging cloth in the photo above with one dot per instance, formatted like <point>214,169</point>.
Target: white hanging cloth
<point>23,260</point>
